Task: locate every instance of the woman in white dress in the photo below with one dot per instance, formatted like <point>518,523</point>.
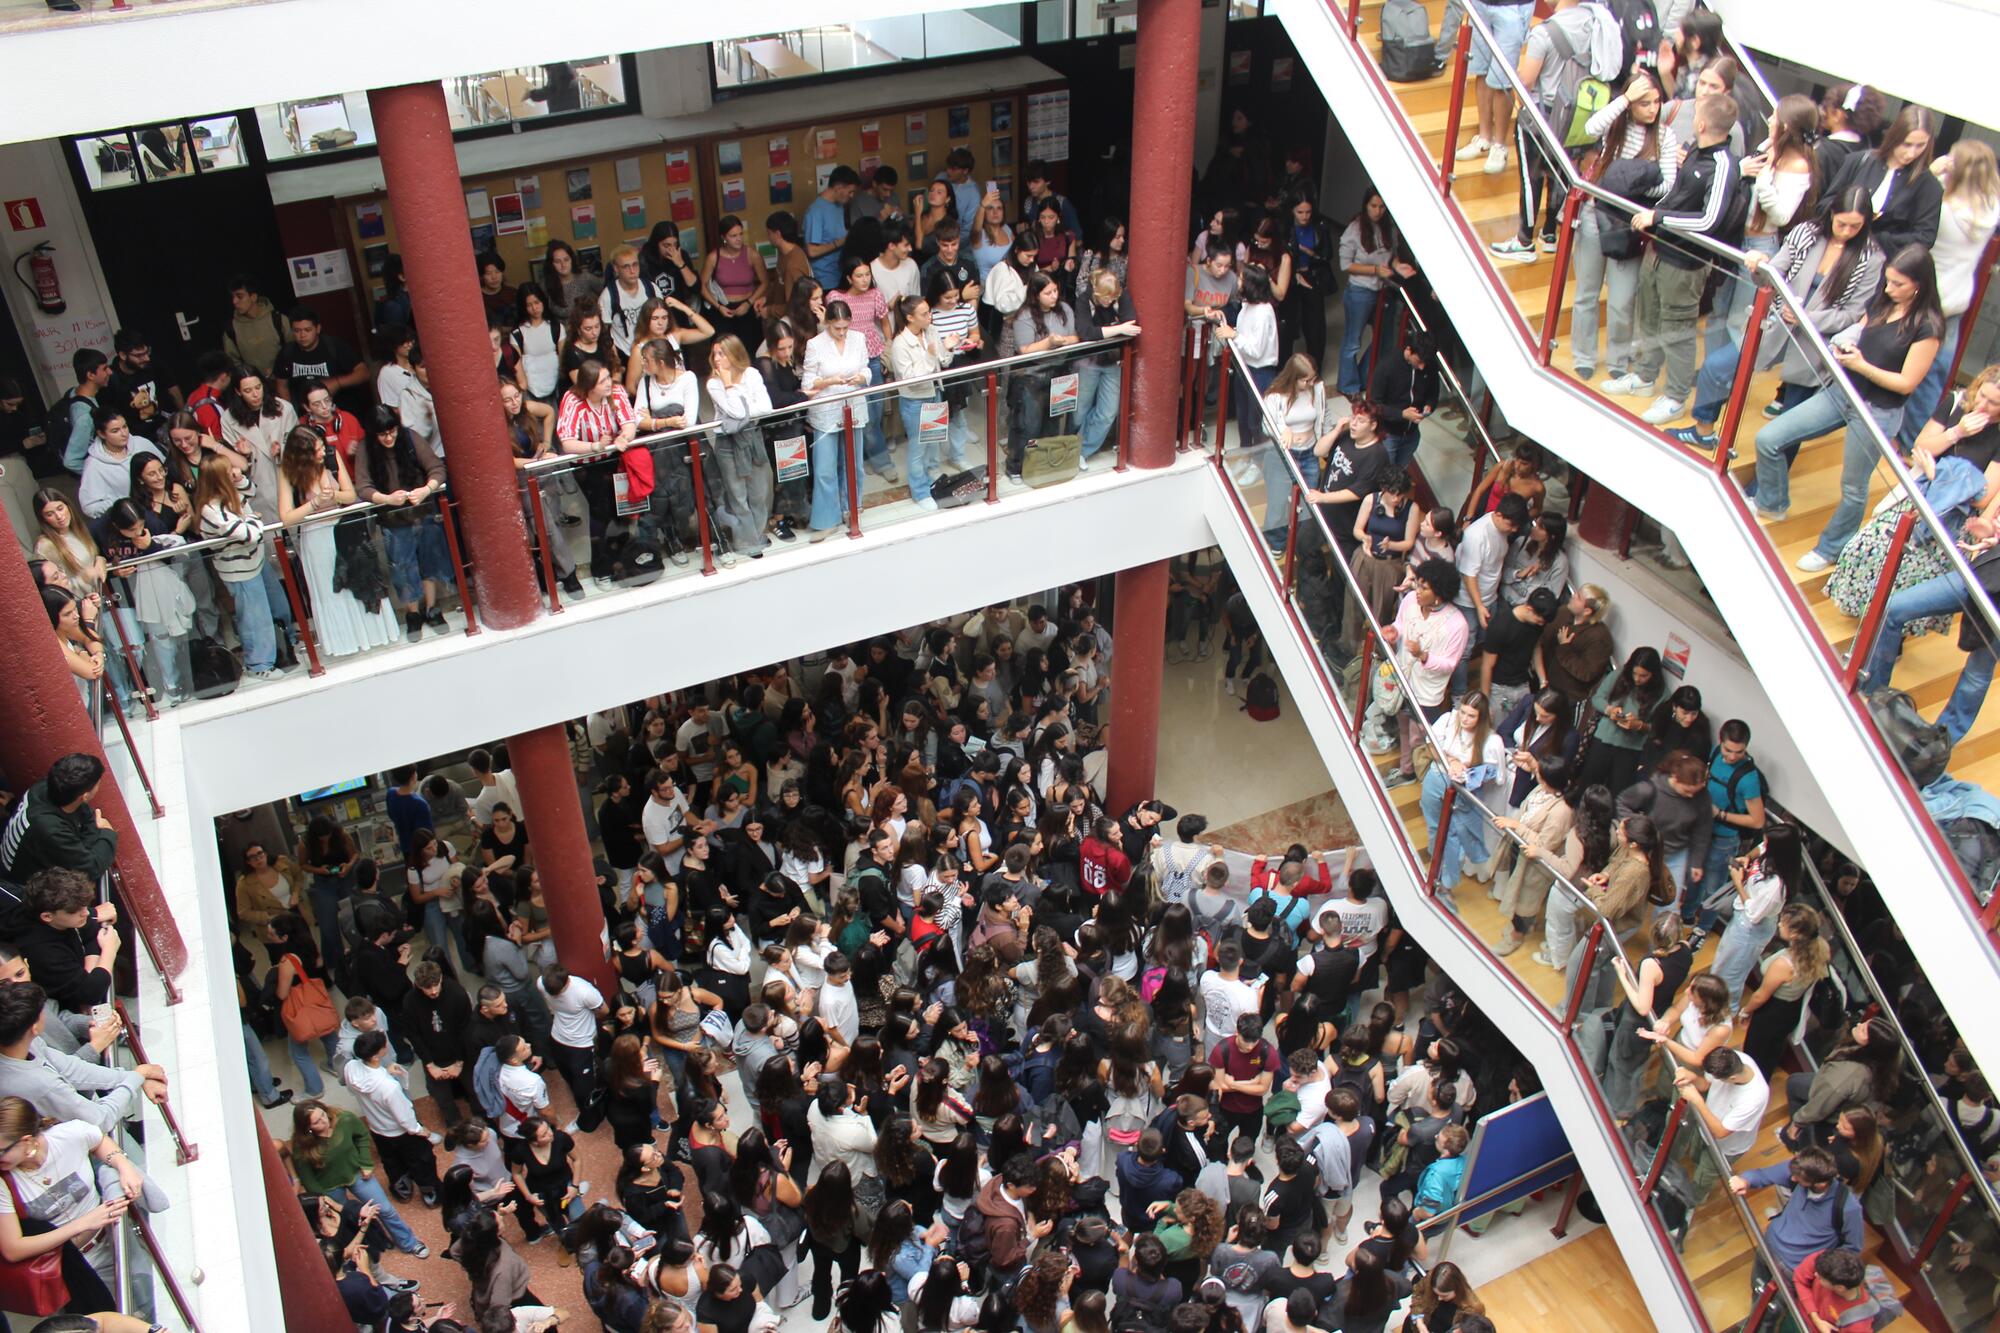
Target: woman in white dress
<point>314,480</point>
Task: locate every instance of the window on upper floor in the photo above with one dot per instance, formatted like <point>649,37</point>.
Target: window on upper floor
<point>747,63</point>
<point>171,150</point>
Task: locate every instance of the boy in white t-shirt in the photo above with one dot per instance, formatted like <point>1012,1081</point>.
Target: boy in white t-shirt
<point>525,1090</point>
<point>1224,995</point>
<point>1355,921</point>
<point>575,1006</point>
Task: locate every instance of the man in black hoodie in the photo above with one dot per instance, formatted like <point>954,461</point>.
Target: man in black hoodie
<point>435,1018</point>
<point>381,963</point>
<point>55,824</point>
<point>1703,202</point>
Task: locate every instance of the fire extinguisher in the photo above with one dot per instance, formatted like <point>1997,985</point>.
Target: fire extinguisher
<point>46,286</point>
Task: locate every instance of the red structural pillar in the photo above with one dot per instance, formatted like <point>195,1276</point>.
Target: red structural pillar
<point>305,1283</point>
<point>42,718</point>
<point>1163,116</point>
<point>545,775</point>
<point>413,136</point>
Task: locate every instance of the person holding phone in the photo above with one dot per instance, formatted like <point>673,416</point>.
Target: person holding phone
<point>1472,755</point>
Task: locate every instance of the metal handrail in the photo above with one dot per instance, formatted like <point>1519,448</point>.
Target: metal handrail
<point>1780,1275</point>
<point>1459,1209</point>
<point>167,554</point>
<point>1800,329</point>
<point>1457,387</point>
<point>184,1152</point>
<point>1361,602</point>
<point>886,387</point>
<point>144,1226</point>
<point>1886,1014</point>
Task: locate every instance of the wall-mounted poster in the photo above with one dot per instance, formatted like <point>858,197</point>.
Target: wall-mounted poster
<point>632,212</point>
<point>583,221</point>
<point>729,157</point>
<point>1003,116</point>
<point>530,188</point>
<point>577,180</point>
<point>871,137</point>
<point>477,205</point>
<point>781,187</point>
<point>1048,126</point>
<point>826,145</point>
<point>1239,67</point>
<point>1281,74</point>
<point>1003,151</point>
<point>916,126</point>
<point>958,122</point>
<point>508,216</point>
<point>368,222</point>
<point>920,162</point>
<point>680,205</point>
<point>537,234</point>
<point>680,166</point>
<point>482,237</point>
<point>779,150</point>
<point>734,198</point>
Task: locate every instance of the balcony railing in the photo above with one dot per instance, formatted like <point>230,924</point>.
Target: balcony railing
<point>1312,573</point>
<point>1759,324</point>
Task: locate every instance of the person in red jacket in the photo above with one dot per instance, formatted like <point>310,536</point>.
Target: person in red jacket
<point>1104,863</point>
<point>1832,1289</point>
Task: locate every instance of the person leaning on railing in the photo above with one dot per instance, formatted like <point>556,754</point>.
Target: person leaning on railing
<point>66,1087</point>
<point>397,469</point>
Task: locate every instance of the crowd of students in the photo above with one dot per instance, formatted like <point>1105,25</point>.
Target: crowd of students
<point>1010,1059</point>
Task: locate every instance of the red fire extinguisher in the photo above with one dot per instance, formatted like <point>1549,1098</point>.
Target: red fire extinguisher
<point>46,286</point>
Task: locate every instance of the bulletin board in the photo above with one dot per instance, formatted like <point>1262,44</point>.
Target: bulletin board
<point>1522,1139</point>
<point>758,170</point>
<point>697,181</point>
<point>595,204</point>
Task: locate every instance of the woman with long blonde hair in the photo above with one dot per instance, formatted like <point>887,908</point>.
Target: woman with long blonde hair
<point>239,561</point>
<point>1789,976</point>
<point>742,462</point>
<point>1966,222</point>
<point>52,1173</point>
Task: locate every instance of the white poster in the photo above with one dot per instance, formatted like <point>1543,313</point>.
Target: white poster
<point>325,272</point>
<point>1048,126</point>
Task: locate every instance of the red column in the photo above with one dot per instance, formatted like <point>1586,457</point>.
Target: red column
<point>1163,113</point>
<point>1163,105</point>
<point>42,718</point>
<point>305,1283</point>
<point>545,775</point>
<point>413,135</point>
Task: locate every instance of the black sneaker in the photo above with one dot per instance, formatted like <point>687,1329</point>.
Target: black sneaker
<point>413,626</point>
<point>784,532</point>
<point>278,1099</point>
<point>435,619</point>
<point>430,1197</point>
<point>572,585</point>
<point>569,520</point>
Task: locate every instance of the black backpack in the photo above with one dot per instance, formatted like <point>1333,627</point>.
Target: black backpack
<point>1260,699</point>
<point>974,1245</point>
<point>1922,748</point>
<point>60,422</point>
<point>1745,769</point>
<point>1641,24</point>
<point>953,489</point>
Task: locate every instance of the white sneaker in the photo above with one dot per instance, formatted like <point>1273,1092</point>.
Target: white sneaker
<point>1082,463</point>
<point>925,502</point>
<point>1496,159</point>
<point>1229,686</point>
<point>1511,248</point>
<point>1628,385</point>
<point>1812,562</point>
<point>1663,410</point>
<point>1474,149</point>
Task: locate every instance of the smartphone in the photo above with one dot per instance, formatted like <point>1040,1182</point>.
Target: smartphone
<point>993,187</point>
<point>100,1012</point>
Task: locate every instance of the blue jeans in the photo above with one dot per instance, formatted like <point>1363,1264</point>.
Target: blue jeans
<point>1778,444</point>
<point>371,1191</point>
<point>1402,446</point>
<point>309,1079</point>
<point>1741,944</point>
<point>1714,380</point>
<point>440,925</point>
<point>326,892</point>
<point>875,446</point>
<point>1925,400</point>
<point>1358,304</point>
<point>829,479</point>
<point>921,461</point>
<point>1465,839</point>
<point>169,659</point>
<point>1509,24</point>
<point>254,627</point>
<point>260,1067</point>
<point>1677,871</point>
<point>1097,391</point>
<point>1714,874</point>
<point>1933,597</point>
<point>417,555</point>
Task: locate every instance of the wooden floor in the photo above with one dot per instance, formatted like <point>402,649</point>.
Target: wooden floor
<point>1491,203</point>
<point>1580,1287</point>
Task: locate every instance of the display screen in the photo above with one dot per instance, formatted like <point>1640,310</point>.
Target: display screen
<point>320,793</point>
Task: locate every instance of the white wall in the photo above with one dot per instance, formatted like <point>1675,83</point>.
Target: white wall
<point>37,171</point>
<point>1931,51</point>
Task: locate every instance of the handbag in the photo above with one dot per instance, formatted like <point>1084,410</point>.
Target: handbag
<point>308,1011</point>
<point>35,1287</point>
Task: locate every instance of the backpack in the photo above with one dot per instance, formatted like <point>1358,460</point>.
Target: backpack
<point>1922,748</point>
<point>62,421</point>
<point>1747,767</point>
<point>1260,699</point>
<point>1580,92</point>
<point>307,1010</point>
<point>1134,1315</point>
<point>953,489</point>
<point>1639,27</point>
<point>1409,53</point>
<point>974,1245</point>
<point>1976,845</point>
<point>1333,975</point>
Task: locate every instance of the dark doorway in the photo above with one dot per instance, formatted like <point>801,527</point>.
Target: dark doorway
<point>168,242</point>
